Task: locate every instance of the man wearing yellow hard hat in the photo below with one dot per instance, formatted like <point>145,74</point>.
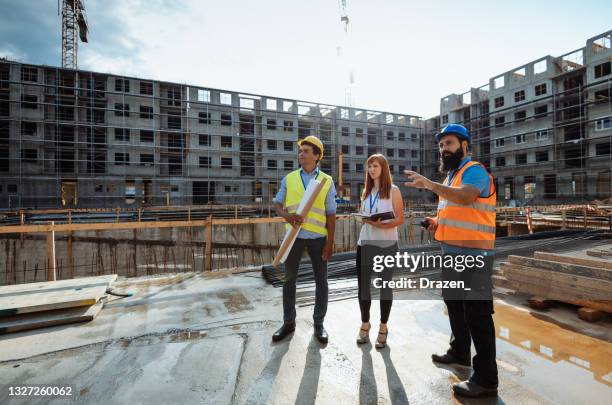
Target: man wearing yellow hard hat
<point>316,234</point>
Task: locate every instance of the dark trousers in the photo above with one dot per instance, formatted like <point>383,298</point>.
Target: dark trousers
<point>363,264</point>
<point>473,320</point>
<point>319,267</point>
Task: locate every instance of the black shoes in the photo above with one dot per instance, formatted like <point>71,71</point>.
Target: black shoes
<point>284,330</point>
<point>321,333</point>
<point>287,328</point>
<point>448,358</point>
<point>466,388</point>
<point>472,390</point>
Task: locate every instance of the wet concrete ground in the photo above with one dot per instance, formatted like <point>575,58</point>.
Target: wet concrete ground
<point>192,339</point>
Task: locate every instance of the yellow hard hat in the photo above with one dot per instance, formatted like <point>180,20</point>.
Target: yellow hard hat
<point>313,140</point>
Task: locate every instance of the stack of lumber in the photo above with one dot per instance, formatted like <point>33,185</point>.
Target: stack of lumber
<point>51,303</point>
<point>574,278</point>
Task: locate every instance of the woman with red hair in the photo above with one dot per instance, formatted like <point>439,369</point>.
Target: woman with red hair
<point>380,237</point>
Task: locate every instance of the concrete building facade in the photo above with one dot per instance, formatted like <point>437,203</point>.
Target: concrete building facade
<point>544,128</point>
<point>86,139</point>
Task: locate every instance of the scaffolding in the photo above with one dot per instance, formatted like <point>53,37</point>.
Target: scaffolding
<point>565,129</point>
<point>87,139</point>
<point>72,138</point>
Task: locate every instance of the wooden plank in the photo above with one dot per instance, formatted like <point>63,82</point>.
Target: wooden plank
<point>70,255</point>
<point>602,264</point>
<point>290,236</point>
<point>105,226</point>
<point>528,286</point>
<point>533,289</point>
<point>45,301</point>
<point>175,208</point>
<point>570,284</point>
<point>287,243</point>
<point>16,307</point>
<point>44,286</point>
<point>102,226</point>
<point>208,235</point>
<point>500,281</point>
<point>599,253</point>
<point>600,289</point>
<point>51,274</point>
<point>44,319</point>
<point>586,271</point>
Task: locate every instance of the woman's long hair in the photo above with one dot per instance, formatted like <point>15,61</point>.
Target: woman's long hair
<point>386,180</point>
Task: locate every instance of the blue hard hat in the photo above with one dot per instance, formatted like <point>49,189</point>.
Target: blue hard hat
<point>455,129</point>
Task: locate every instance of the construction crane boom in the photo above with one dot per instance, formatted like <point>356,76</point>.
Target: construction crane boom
<point>73,19</point>
<point>344,18</point>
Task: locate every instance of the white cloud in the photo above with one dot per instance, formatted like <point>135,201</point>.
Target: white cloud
<point>120,65</point>
<point>405,56</point>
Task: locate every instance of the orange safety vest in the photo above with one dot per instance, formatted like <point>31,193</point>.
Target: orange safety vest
<point>469,226</point>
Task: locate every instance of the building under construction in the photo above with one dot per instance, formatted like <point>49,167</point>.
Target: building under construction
<point>72,138</point>
<point>155,304</point>
<point>543,128</point>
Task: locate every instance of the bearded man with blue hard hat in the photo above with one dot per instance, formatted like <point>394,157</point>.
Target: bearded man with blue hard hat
<point>465,226</point>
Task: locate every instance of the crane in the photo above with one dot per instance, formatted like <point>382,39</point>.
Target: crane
<point>344,19</point>
<point>344,15</point>
<point>73,19</point>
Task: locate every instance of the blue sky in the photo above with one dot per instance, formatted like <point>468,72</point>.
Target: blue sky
<point>405,55</point>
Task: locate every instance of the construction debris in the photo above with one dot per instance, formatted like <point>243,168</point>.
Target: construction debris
<point>45,319</point>
<point>573,278</point>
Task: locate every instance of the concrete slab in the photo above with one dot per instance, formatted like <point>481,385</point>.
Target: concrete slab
<point>158,369</point>
<point>159,305</point>
<point>191,339</point>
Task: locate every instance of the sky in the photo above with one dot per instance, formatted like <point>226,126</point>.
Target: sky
<point>404,55</point>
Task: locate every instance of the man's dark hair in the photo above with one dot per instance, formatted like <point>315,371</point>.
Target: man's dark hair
<point>315,148</point>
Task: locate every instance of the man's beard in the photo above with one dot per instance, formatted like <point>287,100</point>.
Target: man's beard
<point>451,161</point>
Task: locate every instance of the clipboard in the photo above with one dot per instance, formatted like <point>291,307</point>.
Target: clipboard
<point>378,216</point>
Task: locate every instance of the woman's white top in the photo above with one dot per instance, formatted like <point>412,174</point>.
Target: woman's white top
<point>371,233</point>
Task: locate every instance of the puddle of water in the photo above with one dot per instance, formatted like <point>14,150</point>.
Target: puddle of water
<point>535,349</point>
<point>553,342</point>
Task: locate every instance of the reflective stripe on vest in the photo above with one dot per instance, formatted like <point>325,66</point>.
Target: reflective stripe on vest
<point>316,219</point>
<point>476,205</point>
<point>315,222</point>
<point>293,208</point>
<point>467,225</point>
<point>472,225</point>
